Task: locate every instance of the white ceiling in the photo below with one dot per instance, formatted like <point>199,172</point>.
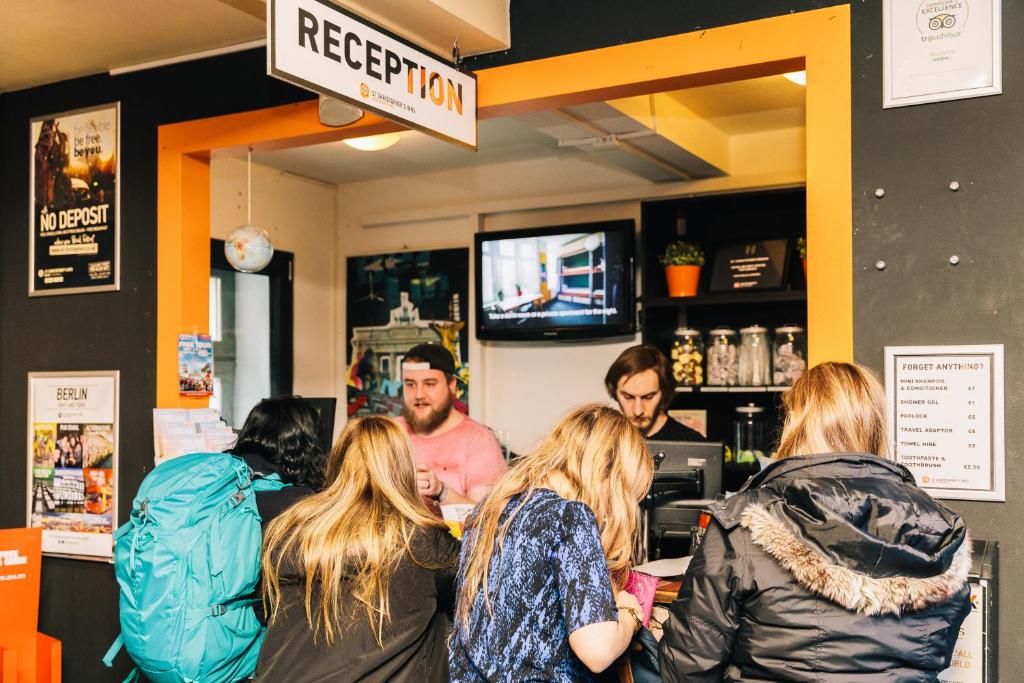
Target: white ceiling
<point>739,108</point>
<point>45,41</point>
<point>500,140</point>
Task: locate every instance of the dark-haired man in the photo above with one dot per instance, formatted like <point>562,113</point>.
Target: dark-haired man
<point>640,383</point>
<point>457,459</point>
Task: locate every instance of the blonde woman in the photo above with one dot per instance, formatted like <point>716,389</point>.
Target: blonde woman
<point>830,565</point>
<point>546,556</point>
<point>359,577</point>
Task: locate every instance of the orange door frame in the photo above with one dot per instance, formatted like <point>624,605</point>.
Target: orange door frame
<point>817,40</point>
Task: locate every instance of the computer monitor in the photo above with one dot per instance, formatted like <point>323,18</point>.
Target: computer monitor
<point>325,408</point>
<point>687,478</point>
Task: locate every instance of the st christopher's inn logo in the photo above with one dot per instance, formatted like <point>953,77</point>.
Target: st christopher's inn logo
<point>942,19</point>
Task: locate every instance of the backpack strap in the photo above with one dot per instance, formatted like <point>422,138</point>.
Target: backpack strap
<point>108,659</point>
<point>220,610</point>
<point>115,647</point>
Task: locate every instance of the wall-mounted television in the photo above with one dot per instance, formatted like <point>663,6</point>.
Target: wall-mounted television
<point>561,282</point>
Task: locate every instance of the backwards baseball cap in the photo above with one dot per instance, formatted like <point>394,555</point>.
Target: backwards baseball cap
<point>431,357</point>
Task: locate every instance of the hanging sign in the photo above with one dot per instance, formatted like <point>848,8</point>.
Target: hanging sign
<point>73,244</point>
<point>935,50</point>
<point>945,417</point>
<point>72,461</point>
<point>321,47</point>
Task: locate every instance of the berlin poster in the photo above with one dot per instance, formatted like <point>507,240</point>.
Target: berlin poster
<point>74,197</point>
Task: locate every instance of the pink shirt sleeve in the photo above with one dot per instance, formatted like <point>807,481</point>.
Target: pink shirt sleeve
<point>485,465</point>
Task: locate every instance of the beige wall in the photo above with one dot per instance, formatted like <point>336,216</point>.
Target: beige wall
<point>521,388</point>
<point>299,215</point>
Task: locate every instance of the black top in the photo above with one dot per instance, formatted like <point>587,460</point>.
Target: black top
<point>675,431</point>
<point>831,568</point>
<point>414,650</point>
<point>272,503</point>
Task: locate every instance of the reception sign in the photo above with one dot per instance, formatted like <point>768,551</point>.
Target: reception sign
<point>319,46</point>
<point>945,417</point>
<point>73,206</point>
<point>937,50</point>
<point>72,461</point>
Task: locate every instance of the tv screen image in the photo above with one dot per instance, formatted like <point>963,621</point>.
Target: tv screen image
<point>571,281</point>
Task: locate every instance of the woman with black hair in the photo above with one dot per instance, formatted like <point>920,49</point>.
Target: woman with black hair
<point>282,435</point>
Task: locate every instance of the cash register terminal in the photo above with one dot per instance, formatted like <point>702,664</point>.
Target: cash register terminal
<point>687,478</point>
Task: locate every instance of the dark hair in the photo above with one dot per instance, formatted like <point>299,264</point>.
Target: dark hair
<point>286,431</point>
<point>638,359</point>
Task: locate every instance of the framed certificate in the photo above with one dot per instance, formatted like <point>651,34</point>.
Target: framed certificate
<point>935,50</point>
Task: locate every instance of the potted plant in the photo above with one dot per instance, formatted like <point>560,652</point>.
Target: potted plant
<point>801,248</point>
<point>682,261</point>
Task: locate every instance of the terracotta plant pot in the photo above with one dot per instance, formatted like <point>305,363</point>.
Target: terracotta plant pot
<point>682,280</point>
<point>805,268</point>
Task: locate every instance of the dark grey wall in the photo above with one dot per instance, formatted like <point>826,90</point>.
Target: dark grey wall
<point>115,330</point>
<point>914,153</point>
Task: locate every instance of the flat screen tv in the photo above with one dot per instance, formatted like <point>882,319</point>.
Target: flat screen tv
<point>561,282</point>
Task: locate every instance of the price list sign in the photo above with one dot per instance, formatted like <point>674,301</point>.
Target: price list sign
<point>945,418</point>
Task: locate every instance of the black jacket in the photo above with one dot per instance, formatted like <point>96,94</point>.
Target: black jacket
<point>829,568</point>
<point>414,643</point>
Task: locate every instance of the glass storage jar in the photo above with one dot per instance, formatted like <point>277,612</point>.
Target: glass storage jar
<point>750,434</point>
<point>722,357</point>
<point>754,357</point>
<point>789,355</point>
<point>688,358</point>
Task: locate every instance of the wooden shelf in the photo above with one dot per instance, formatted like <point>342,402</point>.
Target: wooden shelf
<point>749,297</point>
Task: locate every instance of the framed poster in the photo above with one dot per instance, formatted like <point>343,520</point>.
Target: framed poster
<point>936,50</point>
<point>72,461</point>
<point>945,418</point>
<point>396,301</point>
<point>74,217</point>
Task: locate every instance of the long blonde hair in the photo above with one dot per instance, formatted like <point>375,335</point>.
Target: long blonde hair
<point>350,537</point>
<point>602,461</point>
<point>834,408</point>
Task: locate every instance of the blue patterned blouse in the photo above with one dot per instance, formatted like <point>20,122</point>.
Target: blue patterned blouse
<point>549,580</point>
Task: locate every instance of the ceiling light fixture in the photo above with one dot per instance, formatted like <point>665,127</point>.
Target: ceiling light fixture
<point>798,77</point>
<point>373,143</point>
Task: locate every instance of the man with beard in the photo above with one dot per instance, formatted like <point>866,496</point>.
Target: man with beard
<point>640,383</point>
<point>457,459</point>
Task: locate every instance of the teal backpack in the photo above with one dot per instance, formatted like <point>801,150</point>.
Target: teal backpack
<point>188,564</point>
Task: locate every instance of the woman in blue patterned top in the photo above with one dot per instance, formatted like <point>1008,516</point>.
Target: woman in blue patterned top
<point>547,554</point>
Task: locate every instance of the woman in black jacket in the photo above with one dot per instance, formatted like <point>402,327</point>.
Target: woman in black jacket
<point>830,564</point>
<point>359,577</point>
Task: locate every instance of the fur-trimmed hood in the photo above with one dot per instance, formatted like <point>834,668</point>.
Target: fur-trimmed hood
<point>856,530</point>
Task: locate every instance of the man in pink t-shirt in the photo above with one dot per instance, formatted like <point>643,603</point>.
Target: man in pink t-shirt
<point>458,460</point>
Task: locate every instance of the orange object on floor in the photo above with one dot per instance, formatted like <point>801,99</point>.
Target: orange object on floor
<point>25,655</point>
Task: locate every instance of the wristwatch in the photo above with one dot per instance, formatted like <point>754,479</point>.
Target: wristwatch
<point>441,494</point>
